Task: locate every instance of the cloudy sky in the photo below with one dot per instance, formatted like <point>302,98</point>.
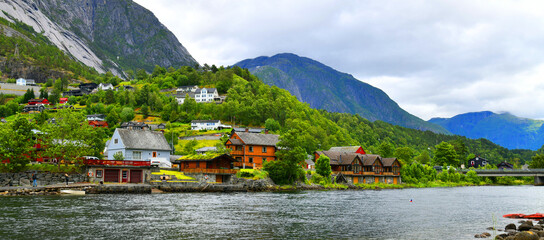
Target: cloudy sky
<point>434,58</point>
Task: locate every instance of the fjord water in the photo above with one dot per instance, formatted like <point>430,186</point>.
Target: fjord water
<point>433,213</point>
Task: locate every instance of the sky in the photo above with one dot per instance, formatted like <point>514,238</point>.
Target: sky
<point>434,58</point>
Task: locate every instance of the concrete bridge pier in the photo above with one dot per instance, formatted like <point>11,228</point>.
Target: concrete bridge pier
<point>539,180</point>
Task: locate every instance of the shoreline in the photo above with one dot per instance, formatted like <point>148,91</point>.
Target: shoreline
<point>242,185</point>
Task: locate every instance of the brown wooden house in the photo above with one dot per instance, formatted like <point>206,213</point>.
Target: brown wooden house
<point>251,150</point>
<point>214,169</point>
<point>391,170</point>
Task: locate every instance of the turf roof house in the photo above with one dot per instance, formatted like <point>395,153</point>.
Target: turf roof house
<point>138,145</point>
<point>251,150</point>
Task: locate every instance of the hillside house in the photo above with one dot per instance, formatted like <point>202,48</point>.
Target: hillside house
<point>505,165</point>
<point>134,125</point>
<point>186,89</point>
<point>105,86</point>
<point>251,150</point>
<point>206,95</point>
<point>349,149</point>
<point>477,162</point>
<point>38,102</point>
<point>96,117</point>
<point>63,100</point>
<point>95,123</point>
<point>214,169</point>
<point>208,125</point>
<point>138,145</point>
<point>33,108</point>
<point>25,82</point>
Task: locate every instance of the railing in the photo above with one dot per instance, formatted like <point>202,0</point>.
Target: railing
<point>212,171</point>
<point>366,173</point>
<point>117,163</point>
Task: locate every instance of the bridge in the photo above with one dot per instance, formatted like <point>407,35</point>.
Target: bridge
<point>538,174</point>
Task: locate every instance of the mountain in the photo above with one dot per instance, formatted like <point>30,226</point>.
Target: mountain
<point>504,129</point>
<point>325,88</point>
<point>106,35</point>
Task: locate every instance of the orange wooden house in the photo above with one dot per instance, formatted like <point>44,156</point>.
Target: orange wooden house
<point>216,169</point>
<point>252,149</point>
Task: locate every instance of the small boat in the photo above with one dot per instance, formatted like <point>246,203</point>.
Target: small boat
<point>519,215</point>
<point>72,192</point>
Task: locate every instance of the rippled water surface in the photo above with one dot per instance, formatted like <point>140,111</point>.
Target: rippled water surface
<point>438,213</point>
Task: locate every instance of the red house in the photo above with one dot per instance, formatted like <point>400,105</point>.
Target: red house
<point>95,123</point>
<point>38,102</point>
<point>63,100</point>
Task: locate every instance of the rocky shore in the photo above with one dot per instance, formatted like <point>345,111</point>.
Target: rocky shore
<point>527,230</point>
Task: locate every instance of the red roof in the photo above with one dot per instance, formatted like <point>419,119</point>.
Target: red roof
<point>98,123</point>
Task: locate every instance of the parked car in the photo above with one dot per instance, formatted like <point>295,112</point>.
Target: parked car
<point>161,162</point>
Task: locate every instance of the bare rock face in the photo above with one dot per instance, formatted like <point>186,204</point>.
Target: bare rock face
<point>103,34</point>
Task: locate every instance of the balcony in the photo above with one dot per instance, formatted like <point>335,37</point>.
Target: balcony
<point>93,162</point>
<point>210,171</point>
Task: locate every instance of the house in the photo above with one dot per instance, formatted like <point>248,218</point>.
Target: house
<point>349,149</point>
<point>180,97</point>
<point>250,130</point>
<point>25,82</point>
<point>204,150</point>
<point>186,89</point>
<point>477,162</point>
<point>96,117</point>
<point>75,92</point>
<point>208,125</point>
<point>213,169</point>
<point>206,95</point>
<point>154,127</point>
<point>33,108</point>
<point>252,149</point>
<point>63,100</point>
<point>138,145</point>
<point>38,102</point>
<point>505,165</point>
<point>124,171</point>
<point>134,126</point>
<point>128,88</point>
<point>362,168</point>
<point>95,123</point>
<point>87,88</point>
<point>309,164</point>
<point>105,86</point>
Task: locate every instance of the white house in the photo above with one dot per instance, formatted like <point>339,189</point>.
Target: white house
<point>207,125</point>
<point>138,145</point>
<point>206,95</point>
<point>105,86</point>
<point>180,97</point>
<point>185,89</point>
<point>25,82</point>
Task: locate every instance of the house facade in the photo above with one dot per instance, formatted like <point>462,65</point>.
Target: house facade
<point>217,169</point>
<point>251,150</point>
<point>138,145</point>
<point>206,95</point>
<point>356,168</point>
<point>118,171</point>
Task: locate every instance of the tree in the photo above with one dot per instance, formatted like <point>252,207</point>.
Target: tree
<point>386,149</point>
<point>272,125</point>
<point>127,114</point>
<point>286,169</point>
<point>69,137</point>
<point>423,157</point>
<point>538,161</point>
<point>323,167</point>
<point>145,110</point>
<point>445,155</point>
<point>16,143</point>
<point>404,154</point>
<point>118,156</point>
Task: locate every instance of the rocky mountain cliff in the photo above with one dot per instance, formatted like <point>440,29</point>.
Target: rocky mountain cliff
<point>107,35</point>
<point>504,129</point>
<point>325,88</point>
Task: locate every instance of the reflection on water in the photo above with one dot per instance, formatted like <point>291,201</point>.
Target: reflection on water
<point>439,213</point>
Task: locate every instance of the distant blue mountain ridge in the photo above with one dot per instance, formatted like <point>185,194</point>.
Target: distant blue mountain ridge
<point>322,87</point>
<point>504,129</point>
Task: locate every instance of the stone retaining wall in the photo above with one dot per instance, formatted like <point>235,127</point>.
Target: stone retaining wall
<point>44,178</point>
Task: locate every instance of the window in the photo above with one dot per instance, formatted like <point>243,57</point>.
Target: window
<point>116,141</point>
<point>251,148</point>
<point>98,173</point>
<point>250,160</point>
<point>125,174</point>
<point>137,155</point>
<point>238,148</point>
<point>154,154</point>
<point>264,149</point>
